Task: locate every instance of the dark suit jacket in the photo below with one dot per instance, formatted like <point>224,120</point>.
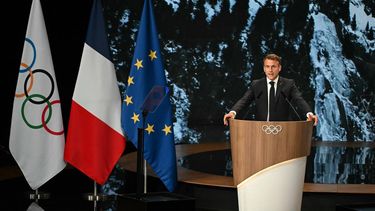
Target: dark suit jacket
<point>285,88</point>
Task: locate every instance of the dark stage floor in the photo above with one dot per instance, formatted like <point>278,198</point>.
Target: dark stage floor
<point>75,187</point>
<point>69,190</point>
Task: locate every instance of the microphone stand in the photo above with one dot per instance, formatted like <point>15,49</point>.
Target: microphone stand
<point>290,104</point>
<point>141,164</point>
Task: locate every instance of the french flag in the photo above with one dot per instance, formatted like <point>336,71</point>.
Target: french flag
<point>95,140</point>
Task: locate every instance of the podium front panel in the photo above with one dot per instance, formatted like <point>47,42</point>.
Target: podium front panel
<point>256,145</point>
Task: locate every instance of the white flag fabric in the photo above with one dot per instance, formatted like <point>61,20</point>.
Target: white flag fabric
<point>34,207</point>
<point>37,133</point>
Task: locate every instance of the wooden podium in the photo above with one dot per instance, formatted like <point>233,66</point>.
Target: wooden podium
<point>257,145</point>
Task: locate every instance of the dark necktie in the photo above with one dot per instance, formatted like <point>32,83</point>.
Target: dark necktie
<point>272,102</point>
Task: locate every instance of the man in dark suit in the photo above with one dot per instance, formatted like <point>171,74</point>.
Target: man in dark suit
<point>273,96</point>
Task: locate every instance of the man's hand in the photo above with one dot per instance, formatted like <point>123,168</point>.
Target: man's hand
<point>227,116</point>
<point>312,117</point>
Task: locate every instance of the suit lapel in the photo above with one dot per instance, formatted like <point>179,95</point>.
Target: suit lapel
<point>280,86</point>
<point>264,86</point>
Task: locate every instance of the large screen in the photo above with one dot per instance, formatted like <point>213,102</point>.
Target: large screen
<point>212,50</point>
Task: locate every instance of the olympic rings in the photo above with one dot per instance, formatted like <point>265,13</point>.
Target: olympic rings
<point>31,82</point>
<point>23,110</point>
<point>45,122</point>
<point>28,67</point>
<point>29,97</point>
<point>52,84</point>
<point>272,129</point>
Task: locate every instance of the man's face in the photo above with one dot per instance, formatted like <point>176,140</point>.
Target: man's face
<point>271,68</point>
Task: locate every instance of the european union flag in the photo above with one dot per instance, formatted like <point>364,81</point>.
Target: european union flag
<point>146,72</point>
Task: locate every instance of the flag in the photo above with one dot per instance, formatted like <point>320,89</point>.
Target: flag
<point>34,207</point>
<point>37,132</point>
<point>147,71</point>
<point>95,140</point>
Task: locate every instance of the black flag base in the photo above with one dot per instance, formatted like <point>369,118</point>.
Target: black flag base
<point>155,201</point>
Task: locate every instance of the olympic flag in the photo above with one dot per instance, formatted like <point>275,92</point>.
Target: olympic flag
<point>95,140</point>
<point>37,132</point>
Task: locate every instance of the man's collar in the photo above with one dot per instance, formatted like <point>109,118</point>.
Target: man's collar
<point>276,80</point>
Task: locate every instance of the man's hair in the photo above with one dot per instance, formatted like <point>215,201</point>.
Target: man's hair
<point>272,56</point>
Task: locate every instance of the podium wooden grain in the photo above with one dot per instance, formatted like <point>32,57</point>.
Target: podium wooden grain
<point>256,145</point>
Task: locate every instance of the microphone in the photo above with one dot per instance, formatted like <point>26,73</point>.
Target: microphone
<point>290,104</point>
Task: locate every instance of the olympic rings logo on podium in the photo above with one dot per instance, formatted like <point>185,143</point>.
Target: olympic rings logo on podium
<point>272,129</point>
<point>27,86</point>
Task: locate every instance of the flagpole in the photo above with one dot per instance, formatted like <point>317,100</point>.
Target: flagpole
<point>144,114</point>
<point>95,195</point>
<point>36,196</point>
<point>145,176</point>
<point>141,162</point>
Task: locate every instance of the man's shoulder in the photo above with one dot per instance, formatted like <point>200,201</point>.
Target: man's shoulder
<point>286,80</point>
<point>258,81</point>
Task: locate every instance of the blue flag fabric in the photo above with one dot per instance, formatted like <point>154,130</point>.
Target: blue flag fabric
<point>147,71</point>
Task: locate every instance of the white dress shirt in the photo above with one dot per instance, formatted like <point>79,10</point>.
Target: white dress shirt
<point>268,93</point>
